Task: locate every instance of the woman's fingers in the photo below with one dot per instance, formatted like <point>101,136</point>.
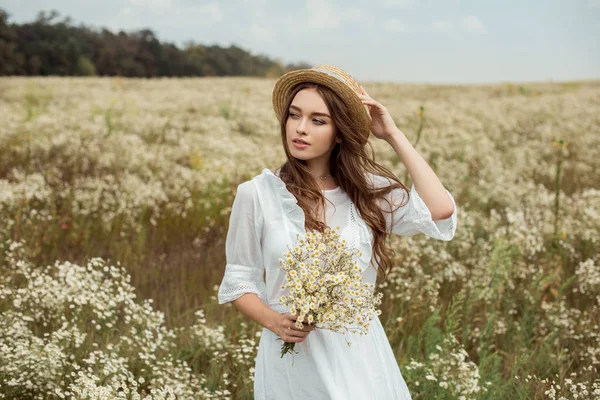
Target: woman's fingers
<point>294,318</point>
<point>290,332</point>
<point>369,100</point>
<point>307,327</point>
<point>293,339</point>
<point>291,335</point>
<point>297,333</point>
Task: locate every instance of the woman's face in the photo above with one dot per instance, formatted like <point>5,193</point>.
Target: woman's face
<point>309,120</point>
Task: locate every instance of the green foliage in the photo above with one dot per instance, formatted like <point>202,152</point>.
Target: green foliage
<point>456,313</point>
<point>85,66</point>
<point>35,101</point>
<point>50,47</point>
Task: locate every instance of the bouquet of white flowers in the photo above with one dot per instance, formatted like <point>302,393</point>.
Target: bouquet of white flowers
<point>326,287</point>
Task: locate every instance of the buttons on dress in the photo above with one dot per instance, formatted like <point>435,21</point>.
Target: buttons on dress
<point>353,223</point>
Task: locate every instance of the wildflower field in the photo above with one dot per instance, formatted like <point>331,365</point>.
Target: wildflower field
<point>115,196</point>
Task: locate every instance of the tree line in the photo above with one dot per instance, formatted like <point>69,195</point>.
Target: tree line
<point>48,46</point>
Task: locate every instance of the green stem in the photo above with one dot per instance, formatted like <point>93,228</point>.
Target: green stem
<point>557,189</point>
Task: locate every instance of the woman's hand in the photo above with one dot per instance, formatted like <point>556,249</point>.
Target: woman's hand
<point>382,123</point>
<point>285,327</point>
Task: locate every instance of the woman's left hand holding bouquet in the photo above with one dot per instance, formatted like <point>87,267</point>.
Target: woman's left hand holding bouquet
<point>284,326</point>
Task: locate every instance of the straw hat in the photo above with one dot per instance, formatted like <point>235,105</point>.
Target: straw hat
<point>332,77</point>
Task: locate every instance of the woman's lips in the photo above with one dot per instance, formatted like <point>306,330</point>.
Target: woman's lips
<point>300,145</point>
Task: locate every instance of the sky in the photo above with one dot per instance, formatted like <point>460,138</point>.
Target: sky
<point>417,41</point>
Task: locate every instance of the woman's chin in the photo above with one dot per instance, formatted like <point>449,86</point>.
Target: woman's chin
<point>300,154</point>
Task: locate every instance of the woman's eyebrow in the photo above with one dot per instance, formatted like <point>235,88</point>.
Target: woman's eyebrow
<point>315,113</point>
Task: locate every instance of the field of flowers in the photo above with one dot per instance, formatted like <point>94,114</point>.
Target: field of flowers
<point>114,201</point>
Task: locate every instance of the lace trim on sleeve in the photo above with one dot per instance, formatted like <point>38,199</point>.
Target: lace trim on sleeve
<point>240,279</point>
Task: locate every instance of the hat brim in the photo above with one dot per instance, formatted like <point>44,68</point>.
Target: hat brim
<point>288,81</point>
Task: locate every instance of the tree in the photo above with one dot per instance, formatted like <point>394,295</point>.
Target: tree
<point>49,46</point>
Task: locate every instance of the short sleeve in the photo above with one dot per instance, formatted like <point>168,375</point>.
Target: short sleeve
<point>414,217</point>
<point>244,271</point>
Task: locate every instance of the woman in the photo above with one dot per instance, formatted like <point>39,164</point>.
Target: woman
<point>326,119</point>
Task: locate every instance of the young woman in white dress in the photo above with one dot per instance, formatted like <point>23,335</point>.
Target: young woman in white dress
<point>328,180</point>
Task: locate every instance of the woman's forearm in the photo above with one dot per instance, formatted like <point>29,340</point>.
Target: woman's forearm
<point>426,182</point>
<point>253,307</point>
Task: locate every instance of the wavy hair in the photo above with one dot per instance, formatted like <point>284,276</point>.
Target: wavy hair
<point>350,165</point>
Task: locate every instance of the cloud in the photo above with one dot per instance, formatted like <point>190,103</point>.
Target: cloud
<point>394,25</point>
<point>323,15</point>
<point>442,26</point>
<point>398,3</point>
<point>356,15</point>
<point>210,13</point>
<point>255,3</point>
<point>256,7</point>
<point>144,10</point>
<point>594,3</point>
<point>473,24</point>
<point>156,5</point>
<point>261,34</point>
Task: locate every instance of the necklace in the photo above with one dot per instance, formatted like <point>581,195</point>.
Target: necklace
<point>325,176</point>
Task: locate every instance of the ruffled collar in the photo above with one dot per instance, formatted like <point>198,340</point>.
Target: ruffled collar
<point>288,201</point>
<point>296,216</point>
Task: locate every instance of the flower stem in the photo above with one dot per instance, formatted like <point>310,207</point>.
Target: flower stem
<point>287,348</point>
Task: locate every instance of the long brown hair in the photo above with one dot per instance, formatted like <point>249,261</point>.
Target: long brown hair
<point>349,164</point>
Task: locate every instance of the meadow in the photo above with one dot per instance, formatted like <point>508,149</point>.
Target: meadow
<point>115,196</point>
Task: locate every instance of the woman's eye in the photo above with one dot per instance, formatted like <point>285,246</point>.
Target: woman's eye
<point>317,121</point>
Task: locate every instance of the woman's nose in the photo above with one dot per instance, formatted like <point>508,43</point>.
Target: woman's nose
<point>301,127</point>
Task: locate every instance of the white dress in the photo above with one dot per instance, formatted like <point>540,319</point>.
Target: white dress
<point>265,219</point>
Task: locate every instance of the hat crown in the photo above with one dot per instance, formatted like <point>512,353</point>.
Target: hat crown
<point>339,74</point>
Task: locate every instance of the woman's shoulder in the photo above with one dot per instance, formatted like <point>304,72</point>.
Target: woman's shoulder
<point>377,181</point>
<point>265,187</point>
<point>274,193</point>
<point>268,177</point>
<point>258,178</point>
<point>247,191</point>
